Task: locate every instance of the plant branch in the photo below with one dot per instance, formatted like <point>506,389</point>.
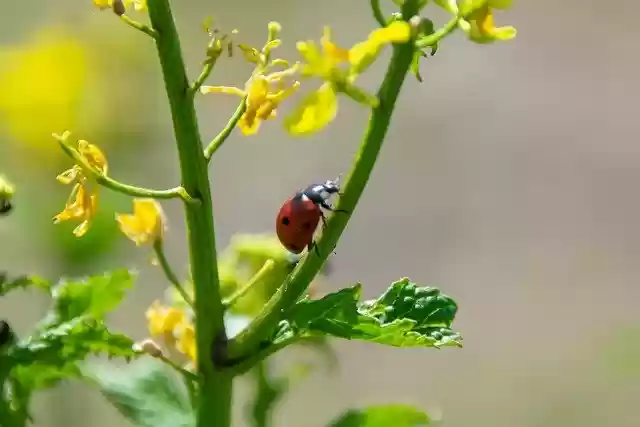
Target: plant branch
<point>245,365</point>
<point>158,248</point>
<point>224,133</point>
<point>297,282</point>
<point>206,71</point>
<point>216,385</point>
<point>377,13</point>
<point>257,278</point>
<point>189,376</point>
<point>432,39</point>
<point>139,26</point>
<point>112,184</point>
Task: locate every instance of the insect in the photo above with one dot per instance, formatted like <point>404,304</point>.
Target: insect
<point>300,214</point>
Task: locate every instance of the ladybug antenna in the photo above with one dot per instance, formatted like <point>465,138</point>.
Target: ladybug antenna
<point>337,180</point>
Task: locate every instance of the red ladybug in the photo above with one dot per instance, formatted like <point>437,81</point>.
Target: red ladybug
<point>299,215</point>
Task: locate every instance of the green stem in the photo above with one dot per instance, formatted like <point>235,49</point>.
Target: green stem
<point>112,184</point>
<point>206,70</point>
<point>297,282</point>
<point>265,270</point>
<point>432,39</point>
<point>158,248</point>
<point>138,26</point>
<point>186,374</point>
<point>224,133</point>
<point>377,13</point>
<point>245,365</point>
<point>216,386</point>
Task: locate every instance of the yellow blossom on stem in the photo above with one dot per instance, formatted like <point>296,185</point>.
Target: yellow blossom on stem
<point>263,94</point>
<point>187,342</point>
<point>339,68</point>
<point>106,4</point>
<point>479,22</point>
<point>173,326</point>
<point>147,224</point>
<point>82,202</point>
<point>264,91</point>
<point>80,206</point>
<point>162,321</point>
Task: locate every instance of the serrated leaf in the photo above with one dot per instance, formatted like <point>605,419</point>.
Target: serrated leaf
<point>146,392</point>
<point>383,416</point>
<point>23,282</point>
<point>96,296</point>
<point>404,316</point>
<point>42,360</point>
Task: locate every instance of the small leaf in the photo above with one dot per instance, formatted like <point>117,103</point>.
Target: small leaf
<point>404,316</point>
<point>95,296</point>
<point>7,285</point>
<point>146,392</point>
<point>269,390</point>
<point>383,416</point>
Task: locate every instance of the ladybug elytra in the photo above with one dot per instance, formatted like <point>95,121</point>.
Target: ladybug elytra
<point>300,214</point>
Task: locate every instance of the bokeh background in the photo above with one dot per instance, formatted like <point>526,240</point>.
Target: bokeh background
<point>509,179</point>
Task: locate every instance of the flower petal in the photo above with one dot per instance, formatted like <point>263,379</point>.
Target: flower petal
<point>315,112</point>
<point>222,89</point>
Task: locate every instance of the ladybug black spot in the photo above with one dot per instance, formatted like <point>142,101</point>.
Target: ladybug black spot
<point>306,225</point>
<point>285,220</point>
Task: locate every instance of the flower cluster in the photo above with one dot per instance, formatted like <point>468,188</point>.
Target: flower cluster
<point>83,200</point>
<point>478,22</point>
<point>265,90</point>
<point>173,328</point>
<point>338,68</point>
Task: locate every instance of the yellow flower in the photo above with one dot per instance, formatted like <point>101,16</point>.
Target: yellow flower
<point>81,205</point>
<point>479,24</point>
<point>137,4</point>
<point>39,92</point>
<point>339,68</point>
<point>263,93</point>
<point>187,342</point>
<point>174,327</point>
<point>147,224</point>
<point>93,155</point>
<point>163,321</point>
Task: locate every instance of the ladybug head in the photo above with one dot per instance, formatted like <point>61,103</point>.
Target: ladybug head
<point>331,187</point>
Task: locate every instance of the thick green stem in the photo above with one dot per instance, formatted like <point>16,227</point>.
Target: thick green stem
<point>245,344</point>
<point>214,403</point>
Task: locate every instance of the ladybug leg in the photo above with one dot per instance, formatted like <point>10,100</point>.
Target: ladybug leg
<point>314,246</point>
<point>324,220</point>
<point>330,208</point>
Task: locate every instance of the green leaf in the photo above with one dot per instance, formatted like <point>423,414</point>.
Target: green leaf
<point>96,296</point>
<point>383,416</point>
<point>269,390</point>
<point>147,393</point>
<point>7,285</point>
<point>404,316</point>
<point>43,359</point>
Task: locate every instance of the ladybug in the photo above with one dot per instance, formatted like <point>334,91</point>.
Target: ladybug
<point>300,214</point>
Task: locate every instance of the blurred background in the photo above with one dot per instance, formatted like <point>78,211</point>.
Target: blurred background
<point>508,179</point>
